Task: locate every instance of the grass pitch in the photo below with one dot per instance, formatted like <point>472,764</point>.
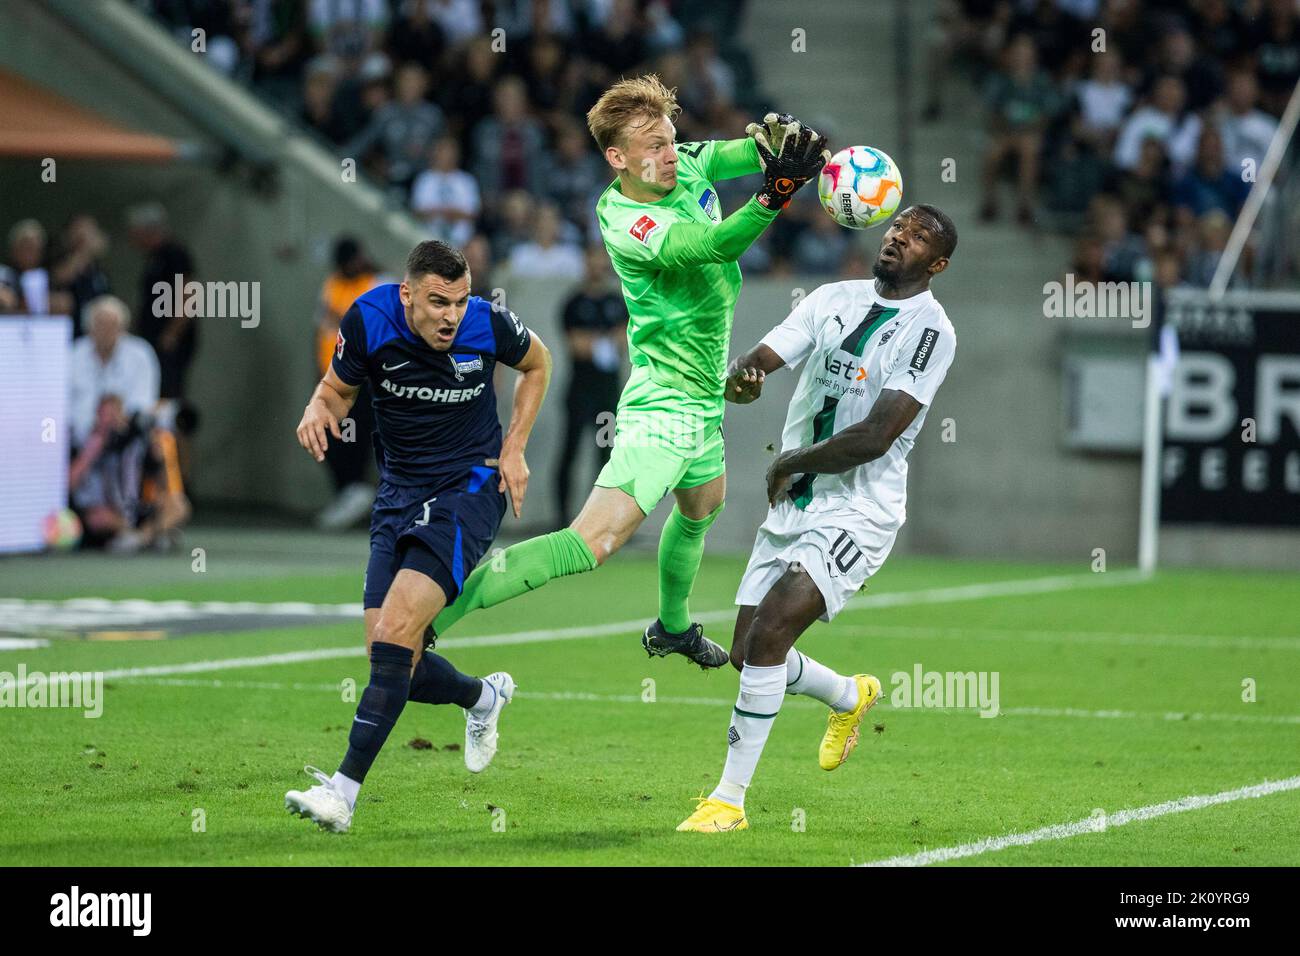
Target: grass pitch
<point>1115,693</point>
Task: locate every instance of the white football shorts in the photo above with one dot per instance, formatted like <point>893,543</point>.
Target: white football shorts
<point>839,548</point>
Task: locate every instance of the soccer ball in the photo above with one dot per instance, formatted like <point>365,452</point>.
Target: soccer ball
<point>62,530</point>
<point>860,187</point>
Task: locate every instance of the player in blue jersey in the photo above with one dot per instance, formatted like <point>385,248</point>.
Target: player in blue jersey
<point>428,349</point>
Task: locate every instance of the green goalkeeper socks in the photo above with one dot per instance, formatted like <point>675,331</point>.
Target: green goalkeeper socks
<point>525,566</point>
<point>681,546</point>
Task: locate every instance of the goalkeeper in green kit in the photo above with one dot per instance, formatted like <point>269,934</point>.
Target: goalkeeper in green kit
<point>676,256</point>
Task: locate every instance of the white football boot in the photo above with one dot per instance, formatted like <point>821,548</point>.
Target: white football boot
<point>481,734</point>
<point>322,803</point>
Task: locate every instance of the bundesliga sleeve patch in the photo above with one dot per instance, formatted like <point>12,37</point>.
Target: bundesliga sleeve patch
<point>339,343</point>
<point>926,346</point>
<point>642,228</point>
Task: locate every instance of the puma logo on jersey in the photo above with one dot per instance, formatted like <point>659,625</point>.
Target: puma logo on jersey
<point>839,321</point>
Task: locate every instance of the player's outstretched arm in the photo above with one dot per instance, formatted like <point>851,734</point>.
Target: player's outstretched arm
<point>681,245</point>
<point>535,376</point>
<point>856,445</point>
<point>747,372</point>
<point>733,158</point>
<point>329,404</point>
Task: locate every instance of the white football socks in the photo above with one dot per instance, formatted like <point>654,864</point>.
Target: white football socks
<point>487,696</point>
<point>807,677</point>
<point>761,692</point>
<point>348,787</point>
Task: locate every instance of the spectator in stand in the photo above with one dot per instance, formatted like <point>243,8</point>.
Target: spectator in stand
<point>1218,28</point>
<point>277,45</point>
<point>1212,231</point>
<point>461,20</point>
<point>126,483</point>
<point>1103,100</point>
<point>1210,183</point>
<point>1144,189</point>
<point>467,96</point>
<point>616,45</point>
<point>1277,53</point>
<point>1163,118</point>
<point>347,460</point>
<point>77,273</point>
<point>595,328</point>
<point>546,73</point>
<point>478,256</point>
<point>514,225</point>
<point>973,29</point>
<point>401,132</point>
<point>108,360</point>
<point>320,85</point>
<point>547,255</point>
<point>572,175</point>
<point>168,263</point>
<point>1202,77</point>
<point>445,196</point>
<point>350,29</point>
<point>712,85</point>
<point>507,144</point>
<point>1247,130</point>
<point>24,282</point>
<point>1124,254</point>
<point>416,37</point>
<point>821,247</point>
<point>1089,259</point>
<point>360,97</point>
<point>1021,102</point>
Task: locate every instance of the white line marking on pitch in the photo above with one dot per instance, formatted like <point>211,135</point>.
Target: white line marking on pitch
<point>1220,641</point>
<point>588,697</point>
<point>22,643</point>
<point>1098,823</point>
<point>902,598</point>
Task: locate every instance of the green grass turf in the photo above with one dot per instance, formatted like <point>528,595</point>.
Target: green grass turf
<point>604,780</point>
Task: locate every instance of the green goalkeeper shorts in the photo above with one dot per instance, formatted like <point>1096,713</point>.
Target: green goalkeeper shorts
<point>664,439</point>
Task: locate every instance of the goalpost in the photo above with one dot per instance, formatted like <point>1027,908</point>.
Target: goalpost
<point>1219,319</point>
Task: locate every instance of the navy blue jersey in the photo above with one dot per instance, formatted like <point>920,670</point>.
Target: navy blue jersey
<point>435,412</point>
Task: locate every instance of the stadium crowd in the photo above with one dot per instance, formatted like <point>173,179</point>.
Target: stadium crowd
<point>1137,125</point>
<point>128,417</point>
<point>472,114</point>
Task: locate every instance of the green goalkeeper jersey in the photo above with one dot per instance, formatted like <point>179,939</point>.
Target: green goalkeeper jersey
<point>676,258</point>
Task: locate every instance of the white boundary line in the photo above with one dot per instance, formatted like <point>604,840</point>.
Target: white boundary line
<point>104,613</point>
<point>1099,822</point>
<point>588,697</point>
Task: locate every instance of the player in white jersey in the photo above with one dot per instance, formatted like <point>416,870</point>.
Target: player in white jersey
<point>874,352</point>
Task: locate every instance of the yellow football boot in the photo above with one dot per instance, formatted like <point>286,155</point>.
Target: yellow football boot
<point>842,729</point>
<point>714,816</point>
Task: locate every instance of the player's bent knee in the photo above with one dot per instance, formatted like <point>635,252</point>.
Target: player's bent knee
<point>398,626</point>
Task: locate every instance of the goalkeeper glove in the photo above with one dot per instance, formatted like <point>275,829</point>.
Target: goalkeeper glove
<point>801,155</point>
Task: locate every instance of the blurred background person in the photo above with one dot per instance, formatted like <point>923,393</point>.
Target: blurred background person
<point>445,196</point>
<point>25,280</point>
<point>125,483</point>
<point>549,254</point>
<point>595,330</point>
<point>108,360</point>
<point>77,272</point>
<point>348,460</point>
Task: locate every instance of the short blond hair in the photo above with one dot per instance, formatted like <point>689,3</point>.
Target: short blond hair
<point>629,103</point>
